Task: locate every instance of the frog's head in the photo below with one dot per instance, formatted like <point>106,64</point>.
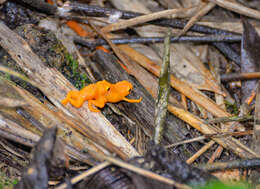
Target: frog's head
<point>124,87</point>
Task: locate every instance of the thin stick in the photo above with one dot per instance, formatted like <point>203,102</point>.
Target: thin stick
<point>239,76</point>
<point>146,173</point>
<point>217,153</point>
<point>195,39</point>
<point>142,19</point>
<point>223,134</point>
<point>85,174</point>
<point>238,8</point>
<point>246,164</point>
<point>186,141</point>
<point>200,152</point>
<point>206,7</point>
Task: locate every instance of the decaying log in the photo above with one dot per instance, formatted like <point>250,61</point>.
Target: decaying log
<point>53,84</point>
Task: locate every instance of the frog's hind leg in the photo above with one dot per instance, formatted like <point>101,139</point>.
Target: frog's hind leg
<point>71,95</point>
<point>98,103</point>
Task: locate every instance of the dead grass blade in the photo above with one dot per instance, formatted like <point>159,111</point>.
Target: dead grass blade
<point>163,93</point>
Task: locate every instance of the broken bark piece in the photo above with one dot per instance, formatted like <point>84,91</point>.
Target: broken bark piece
<point>179,170</point>
<point>9,97</point>
<point>165,164</point>
<point>37,173</point>
<point>110,177</point>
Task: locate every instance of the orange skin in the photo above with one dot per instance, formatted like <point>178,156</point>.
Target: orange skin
<point>99,94</point>
<point>93,93</point>
<point>119,91</point>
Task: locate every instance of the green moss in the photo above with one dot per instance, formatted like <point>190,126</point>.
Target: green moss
<point>78,79</point>
<point>219,185</point>
<point>232,108</point>
<point>6,182</point>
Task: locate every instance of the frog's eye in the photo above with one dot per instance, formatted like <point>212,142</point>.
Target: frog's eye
<point>129,90</point>
<point>108,88</point>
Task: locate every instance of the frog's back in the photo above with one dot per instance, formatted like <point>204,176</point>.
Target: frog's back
<point>88,92</point>
<point>95,90</point>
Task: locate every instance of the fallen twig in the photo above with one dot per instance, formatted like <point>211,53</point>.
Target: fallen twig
<point>239,76</point>
<point>142,19</point>
<point>163,93</point>
<point>224,134</point>
<point>247,164</point>
<point>201,151</point>
<point>196,39</point>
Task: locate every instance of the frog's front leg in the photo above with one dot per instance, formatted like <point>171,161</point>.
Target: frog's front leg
<point>100,102</point>
<point>132,100</point>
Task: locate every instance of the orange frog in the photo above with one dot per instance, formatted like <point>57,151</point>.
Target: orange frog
<point>99,94</point>
<point>93,93</point>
